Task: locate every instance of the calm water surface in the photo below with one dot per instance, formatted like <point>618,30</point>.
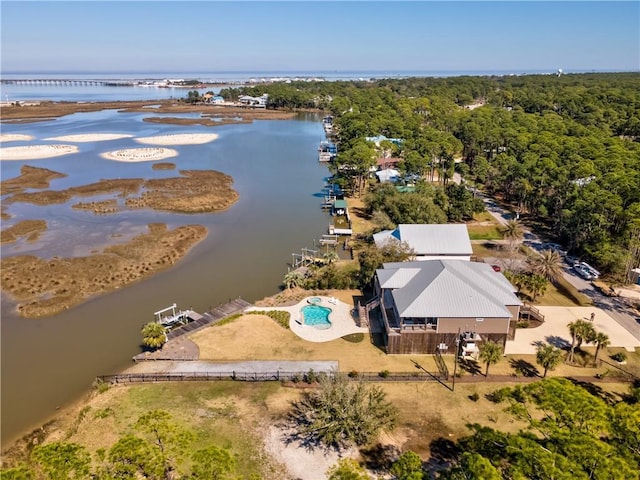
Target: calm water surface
<point>49,362</point>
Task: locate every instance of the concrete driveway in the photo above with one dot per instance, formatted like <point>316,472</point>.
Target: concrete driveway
<point>555,331</point>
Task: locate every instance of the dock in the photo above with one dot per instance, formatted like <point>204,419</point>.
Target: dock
<point>196,322</point>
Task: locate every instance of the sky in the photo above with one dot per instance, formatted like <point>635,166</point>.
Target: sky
<point>218,36</point>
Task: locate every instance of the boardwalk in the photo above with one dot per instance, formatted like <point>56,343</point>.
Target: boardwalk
<point>179,347</point>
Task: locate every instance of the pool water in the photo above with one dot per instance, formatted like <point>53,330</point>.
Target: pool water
<point>316,316</point>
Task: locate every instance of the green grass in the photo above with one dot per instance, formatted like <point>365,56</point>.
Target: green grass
<point>572,293</point>
<point>488,249</point>
<point>555,298</point>
<point>484,232</point>
<point>216,413</point>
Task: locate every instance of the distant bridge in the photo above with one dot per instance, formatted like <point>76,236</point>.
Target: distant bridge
<point>68,83</point>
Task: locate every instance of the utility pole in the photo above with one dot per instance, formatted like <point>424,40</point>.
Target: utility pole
<point>455,361</point>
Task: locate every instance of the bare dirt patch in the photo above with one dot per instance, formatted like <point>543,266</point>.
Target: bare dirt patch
<point>45,288</point>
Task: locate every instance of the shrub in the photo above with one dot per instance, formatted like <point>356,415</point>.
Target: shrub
<point>353,374</point>
<point>498,396</point>
<point>311,376</point>
<point>383,374</point>
<point>474,397</point>
<point>619,357</point>
<point>342,412</point>
<point>104,413</point>
<point>100,385</point>
<point>280,316</point>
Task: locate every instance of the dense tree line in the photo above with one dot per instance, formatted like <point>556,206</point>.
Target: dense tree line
<point>564,150</point>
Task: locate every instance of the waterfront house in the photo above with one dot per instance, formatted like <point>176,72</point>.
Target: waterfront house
<point>444,305</point>
<point>256,102</point>
<point>430,241</point>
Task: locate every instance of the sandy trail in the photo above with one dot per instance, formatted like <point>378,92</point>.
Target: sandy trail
<point>14,137</point>
<point>36,152</point>
<point>90,137</point>
<point>140,154</point>
<point>179,139</point>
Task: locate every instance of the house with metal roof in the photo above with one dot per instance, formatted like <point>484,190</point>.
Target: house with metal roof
<point>430,241</point>
<point>431,305</point>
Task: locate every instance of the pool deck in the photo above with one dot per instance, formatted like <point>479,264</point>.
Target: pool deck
<point>341,318</point>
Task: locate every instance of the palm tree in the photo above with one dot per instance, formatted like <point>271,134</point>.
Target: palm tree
<point>490,354</point>
<point>330,257</point>
<point>586,333</point>
<point>154,335</point>
<point>548,357</point>
<point>548,265</point>
<point>513,232</point>
<point>602,341</point>
<point>293,279</point>
<point>537,285</point>
<point>580,331</point>
<point>573,328</point>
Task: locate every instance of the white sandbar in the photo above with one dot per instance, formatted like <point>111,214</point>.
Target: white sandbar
<point>90,137</point>
<point>14,137</point>
<point>179,139</point>
<point>35,152</point>
<point>140,154</point>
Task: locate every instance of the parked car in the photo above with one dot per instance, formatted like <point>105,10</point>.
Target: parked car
<point>496,268</point>
<point>592,271</point>
<point>582,271</point>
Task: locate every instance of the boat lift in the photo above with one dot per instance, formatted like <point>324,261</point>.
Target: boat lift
<point>169,320</point>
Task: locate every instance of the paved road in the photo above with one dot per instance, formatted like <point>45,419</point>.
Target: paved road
<point>616,308</point>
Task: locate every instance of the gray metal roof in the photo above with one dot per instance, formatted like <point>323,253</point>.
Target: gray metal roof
<point>431,239</point>
<point>448,288</point>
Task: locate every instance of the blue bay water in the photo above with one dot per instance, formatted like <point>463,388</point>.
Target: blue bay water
<point>49,362</point>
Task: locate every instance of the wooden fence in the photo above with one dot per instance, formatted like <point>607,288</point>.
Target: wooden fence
<point>308,377</point>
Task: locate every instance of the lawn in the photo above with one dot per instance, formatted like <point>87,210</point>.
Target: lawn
<point>484,227</point>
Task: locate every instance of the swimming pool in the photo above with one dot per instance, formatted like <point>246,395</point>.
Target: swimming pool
<point>316,316</point>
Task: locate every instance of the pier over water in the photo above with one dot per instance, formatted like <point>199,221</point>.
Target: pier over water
<point>67,83</point>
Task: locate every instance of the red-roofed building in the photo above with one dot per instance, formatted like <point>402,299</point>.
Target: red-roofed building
<point>385,163</point>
